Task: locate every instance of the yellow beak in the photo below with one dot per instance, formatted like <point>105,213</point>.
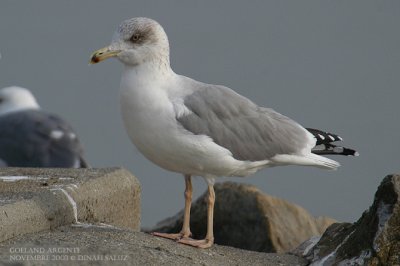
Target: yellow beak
<point>103,54</point>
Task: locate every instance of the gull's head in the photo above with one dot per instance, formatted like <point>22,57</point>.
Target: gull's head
<point>14,99</point>
<point>136,41</point>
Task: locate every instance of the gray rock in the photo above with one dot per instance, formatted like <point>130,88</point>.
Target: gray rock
<point>246,218</point>
<point>373,240</point>
<point>36,199</point>
<point>112,246</point>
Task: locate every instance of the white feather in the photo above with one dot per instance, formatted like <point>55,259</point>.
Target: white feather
<point>307,160</point>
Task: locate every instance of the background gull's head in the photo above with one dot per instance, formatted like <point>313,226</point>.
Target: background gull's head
<point>136,41</point>
<point>14,99</point>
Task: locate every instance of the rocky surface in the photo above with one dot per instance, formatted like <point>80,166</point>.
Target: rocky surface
<point>34,199</point>
<point>246,218</point>
<point>92,217</point>
<point>94,245</point>
<point>373,240</point>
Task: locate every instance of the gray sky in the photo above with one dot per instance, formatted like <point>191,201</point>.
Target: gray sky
<point>332,65</point>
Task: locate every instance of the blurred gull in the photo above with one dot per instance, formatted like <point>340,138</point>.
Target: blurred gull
<point>199,129</point>
<point>30,137</point>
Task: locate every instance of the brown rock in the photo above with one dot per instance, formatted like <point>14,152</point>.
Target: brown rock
<point>373,240</point>
<point>246,218</point>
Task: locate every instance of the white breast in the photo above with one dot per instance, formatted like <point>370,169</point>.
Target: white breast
<point>149,118</point>
<point>149,111</point>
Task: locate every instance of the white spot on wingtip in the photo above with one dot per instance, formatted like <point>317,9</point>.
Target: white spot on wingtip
<point>356,154</point>
<point>340,138</point>
<point>332,138</point>
<point>321,137</point>
<point>56,134</point>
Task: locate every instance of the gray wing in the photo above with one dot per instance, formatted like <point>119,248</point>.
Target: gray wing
<point>250,132</point>
<point>37,139</point>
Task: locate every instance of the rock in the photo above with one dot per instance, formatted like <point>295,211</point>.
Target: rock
<point>373,240</point>
<point>246,218</point>
<point>36,199</point>
<point>94,245</point>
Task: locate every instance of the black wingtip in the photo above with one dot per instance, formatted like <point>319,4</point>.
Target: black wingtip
<point>324,137</point>
<point>330,149</point>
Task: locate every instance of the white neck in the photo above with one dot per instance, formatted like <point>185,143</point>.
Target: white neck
<point>144,86</point>
<point>153,74</point>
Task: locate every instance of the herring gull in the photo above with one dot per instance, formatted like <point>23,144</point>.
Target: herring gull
<point>199,129</point>
<point>31,137</point>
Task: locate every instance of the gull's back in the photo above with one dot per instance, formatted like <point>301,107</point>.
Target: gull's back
<point>37,139</point>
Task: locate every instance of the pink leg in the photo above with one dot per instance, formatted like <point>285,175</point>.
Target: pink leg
<point>185,232</point>
<point>209,239</point>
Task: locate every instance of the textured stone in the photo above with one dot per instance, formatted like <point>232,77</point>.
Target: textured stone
<point>36,199</point>
<point>246,218</point>
<point>94,245</point>
<point>373,240</point>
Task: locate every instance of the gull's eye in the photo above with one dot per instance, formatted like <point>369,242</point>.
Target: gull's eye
<point>135,38</point>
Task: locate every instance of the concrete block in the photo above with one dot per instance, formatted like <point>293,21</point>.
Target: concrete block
<point>36,199</point>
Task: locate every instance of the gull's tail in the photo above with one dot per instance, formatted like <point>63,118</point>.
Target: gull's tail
<point>324,144</point>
